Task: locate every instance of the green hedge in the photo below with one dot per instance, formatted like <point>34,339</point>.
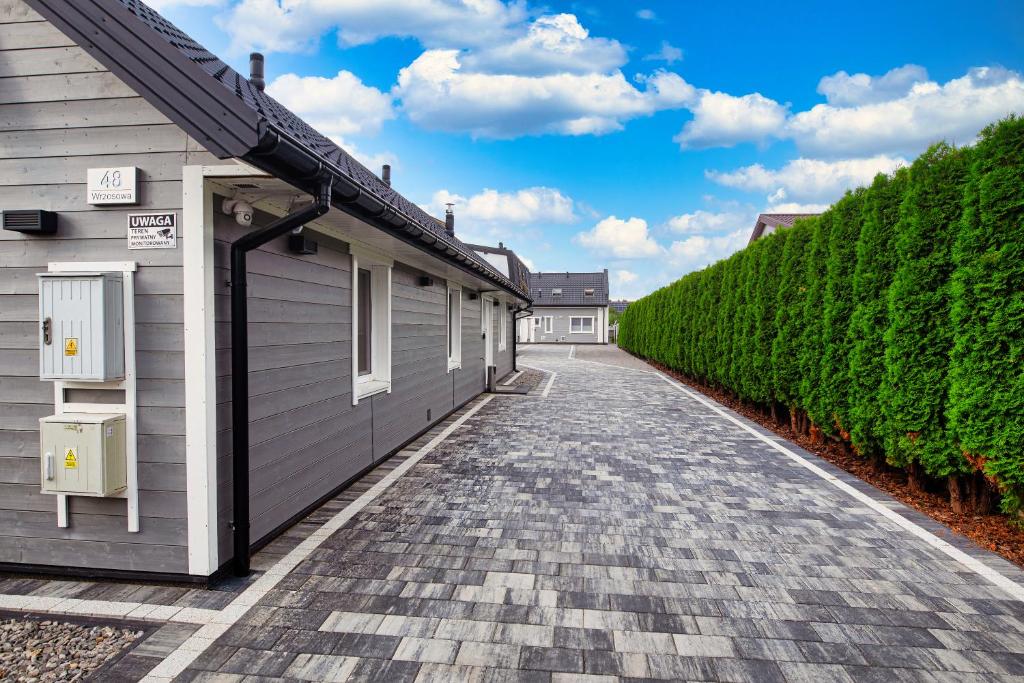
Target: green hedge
<point>895,320</point>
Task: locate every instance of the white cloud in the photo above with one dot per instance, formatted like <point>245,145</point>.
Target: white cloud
<point>698,251</point>
<point>794,207</point>
<point>338,106</point>
<point>646,14</point>
<point>702,221</point>
<point>624,239</point>
<point>624,277</point>
<point>552,44</point>
<point>843,90</point>
<point>529,206</point>
<point>437,94</point>
<point>667,53</point>
<point>929,112</point>
<point>807,180</point>
<point>161,5</point>
<point>297,25</point>
<point>724,120</point>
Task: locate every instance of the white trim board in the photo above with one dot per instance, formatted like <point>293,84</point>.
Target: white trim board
<point>198,642</point>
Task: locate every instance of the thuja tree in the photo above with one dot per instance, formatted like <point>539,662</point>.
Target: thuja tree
<point>876,263</point>
<point>789,314</point>
<point>743,322</point>
<point>986,393</point>
<point>759,386</point>
<point>724,314</point>
<point>837,308</point>
<point>919,337</point>
<point>812,349</point>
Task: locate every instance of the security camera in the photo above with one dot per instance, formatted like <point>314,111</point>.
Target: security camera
<point>243,211</point>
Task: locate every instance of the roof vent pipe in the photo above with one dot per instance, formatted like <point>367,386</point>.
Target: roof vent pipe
<point>449,221</point>
<point>385,174</point>
<point>256,71</point>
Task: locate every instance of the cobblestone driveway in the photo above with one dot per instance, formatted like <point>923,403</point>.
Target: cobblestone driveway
<point>619,528</point>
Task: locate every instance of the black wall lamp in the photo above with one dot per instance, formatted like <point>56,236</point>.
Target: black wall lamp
<point>30,221</point>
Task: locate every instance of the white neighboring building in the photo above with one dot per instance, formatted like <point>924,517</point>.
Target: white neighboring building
<point>568,308</point>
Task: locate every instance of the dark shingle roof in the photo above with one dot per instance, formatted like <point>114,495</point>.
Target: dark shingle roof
<point>226,113</point>
<point>572,286</point>
<point>776,220</point>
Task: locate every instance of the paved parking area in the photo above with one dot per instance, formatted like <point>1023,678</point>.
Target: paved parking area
<point>622,528</point>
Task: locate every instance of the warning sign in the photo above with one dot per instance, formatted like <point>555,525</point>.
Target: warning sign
<point>71,459</point>
<point>153,230</point>
<point>71,346</point>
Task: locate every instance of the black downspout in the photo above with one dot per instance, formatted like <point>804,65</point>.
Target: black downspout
<point>240,363</point>
<point>515,335</point>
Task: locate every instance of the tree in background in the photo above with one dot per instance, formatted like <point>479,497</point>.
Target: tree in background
<point>876,264</point>
<point>919,337</point>
<point>759,386</point>
<point>837,308</point>
<point>812,348</point>
<point>724,315</point>
<point>986,392</point>
<point>789,317</point>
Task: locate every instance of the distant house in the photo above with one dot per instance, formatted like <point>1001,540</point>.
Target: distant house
<point>767,223</point>
<point>567,308</point>
<point>619,305</point>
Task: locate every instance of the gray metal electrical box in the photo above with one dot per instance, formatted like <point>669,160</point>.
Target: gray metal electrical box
<point>81,326</point>
<point>83,454</point>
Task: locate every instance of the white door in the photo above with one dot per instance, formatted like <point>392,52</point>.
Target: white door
<point>488,325</point>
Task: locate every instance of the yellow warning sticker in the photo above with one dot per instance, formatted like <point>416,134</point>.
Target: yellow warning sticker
<point>71,459</point>
<point>71,346</point>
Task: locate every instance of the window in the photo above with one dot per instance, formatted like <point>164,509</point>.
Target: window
<point>588,292</point>
<point>549,324</point>
<point>536,322</point>
<point>581,325</point>
<point>556,292</point>
<point>454,327</point>
<point>371,323</point>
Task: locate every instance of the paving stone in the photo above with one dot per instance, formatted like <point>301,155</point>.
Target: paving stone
<point>321,668</point>
<point>496,655</point>
<point>426,650</point>
<point>648,643</point>
<point>552,659</point>
<point>704,646</point>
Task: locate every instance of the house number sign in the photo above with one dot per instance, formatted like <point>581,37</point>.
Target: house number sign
<point>112,185</point>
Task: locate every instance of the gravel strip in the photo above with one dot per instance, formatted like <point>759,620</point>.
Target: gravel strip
<point>33,650</point>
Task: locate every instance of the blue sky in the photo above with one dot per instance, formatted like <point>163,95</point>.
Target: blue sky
<point>643,138</point>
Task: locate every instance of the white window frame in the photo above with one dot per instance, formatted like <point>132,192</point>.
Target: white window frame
<point>502,326</point>
<point>536,321</point>
<point>549,324</point>
<point>379,379</point>
<point>593,326</point>
<point>454,336</point>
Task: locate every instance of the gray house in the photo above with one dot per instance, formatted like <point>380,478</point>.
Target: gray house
<point>568,308</point>
<point>211,317</point>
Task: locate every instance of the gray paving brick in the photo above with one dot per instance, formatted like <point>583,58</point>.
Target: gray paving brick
<point>552,659</point>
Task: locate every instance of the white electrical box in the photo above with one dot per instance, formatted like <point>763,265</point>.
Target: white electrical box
<point>83,454</point>
<point>81,331</point>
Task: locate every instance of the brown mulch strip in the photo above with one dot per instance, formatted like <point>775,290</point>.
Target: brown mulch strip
<point>994,532</point>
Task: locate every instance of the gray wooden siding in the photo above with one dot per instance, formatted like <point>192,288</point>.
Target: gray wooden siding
<point>306,437</point>
<point>560,325</point>
<point>61,113</point>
